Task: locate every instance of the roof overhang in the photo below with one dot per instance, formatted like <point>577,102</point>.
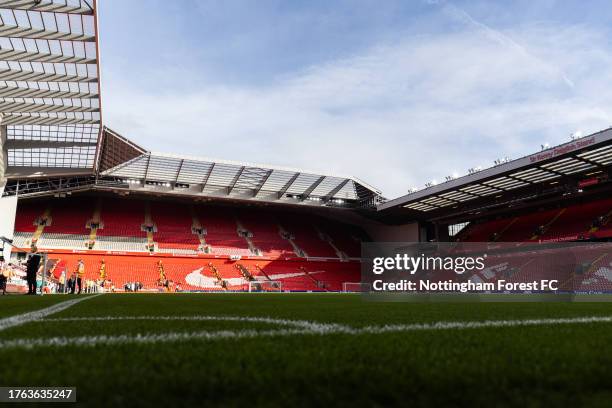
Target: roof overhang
<point>223,179</point>
<point>528,176</point>
<point>50,110</point>
<point>124,167</point>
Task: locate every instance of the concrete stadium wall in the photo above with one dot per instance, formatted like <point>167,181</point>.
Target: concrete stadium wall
<point>8,212</point>
<point>3,158</point>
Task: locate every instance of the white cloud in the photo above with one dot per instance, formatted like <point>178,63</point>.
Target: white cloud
<point>397,115</point>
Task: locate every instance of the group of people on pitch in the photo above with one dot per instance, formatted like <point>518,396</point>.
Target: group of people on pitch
<point>76,278</point>
<point>33,266</point>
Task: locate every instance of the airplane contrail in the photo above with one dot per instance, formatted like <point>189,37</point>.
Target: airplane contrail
<point>494,35</point>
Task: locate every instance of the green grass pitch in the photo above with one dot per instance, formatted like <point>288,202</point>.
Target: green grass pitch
<point>248,364</point>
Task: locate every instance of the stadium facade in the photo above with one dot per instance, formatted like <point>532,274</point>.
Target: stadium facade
<point>76,189</point>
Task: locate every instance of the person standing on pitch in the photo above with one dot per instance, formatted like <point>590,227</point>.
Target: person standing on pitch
<point>32,269</point>
<point>72,283</point>
<point>80,273</point>
<point>4,272</point>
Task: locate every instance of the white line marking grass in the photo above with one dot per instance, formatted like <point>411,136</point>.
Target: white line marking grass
<point>300,324</point>
<point>24,318</point>
<point>289,328</point>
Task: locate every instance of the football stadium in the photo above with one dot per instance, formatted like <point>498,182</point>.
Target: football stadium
<point>185,280</point>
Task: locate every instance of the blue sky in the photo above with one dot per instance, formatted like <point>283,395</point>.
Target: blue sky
<point>396,93</point>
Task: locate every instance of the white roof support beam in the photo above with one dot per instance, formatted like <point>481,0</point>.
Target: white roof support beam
<point>178,173</point>
<point>9,30</point>
<point>17,107</point>
<point>335,190</point>
<point>38,76</point>
<point>32,119</point>
<point>310,189</point>
<point>10,91</point>
<point>9,54</point>
<point>265,178</point>
<point>205,181</point>
<point>52,6</point>
<point>287,185</point>
<point>235,180</point>
<point>146,172</point>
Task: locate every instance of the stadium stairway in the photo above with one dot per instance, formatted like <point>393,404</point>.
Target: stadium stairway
<point>291,240</point>
<point>175,228</point>
<point>496,235</point>
<point>579,276</point>
<point>313,279</point>
<point>347,242</point>
<point>222,232</point>
<point>149,228</point>
<point>541,230</point>
<point>266,234</point>
<point>199,231</point>
<point>94,224</point>
<point>308,239</point>
<point>42,222</point>
<point>248,237</point>
<point>245,272</point>
<point>217,275</point>
<point>260,273</point>
<point>326,238</point>
<point>601,226</point>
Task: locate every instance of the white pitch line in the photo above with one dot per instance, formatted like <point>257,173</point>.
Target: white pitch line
<point>300,328</point>
<point>302,324</point>
<point>90,341</point>
<point>24,318</point>
<point>484,324</point>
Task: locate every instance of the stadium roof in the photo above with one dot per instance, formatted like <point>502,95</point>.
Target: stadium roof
<point>125,167</point>
<point>227,178</point>
<point>576,160</point>
<point>144,170</point>
<point>50,112</point>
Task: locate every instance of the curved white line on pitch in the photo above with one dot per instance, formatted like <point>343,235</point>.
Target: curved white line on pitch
<point>24,318</point>
<point>302,324</point>
<point>300,328</point>
<point>484,324</point>
<point>90,341</point>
